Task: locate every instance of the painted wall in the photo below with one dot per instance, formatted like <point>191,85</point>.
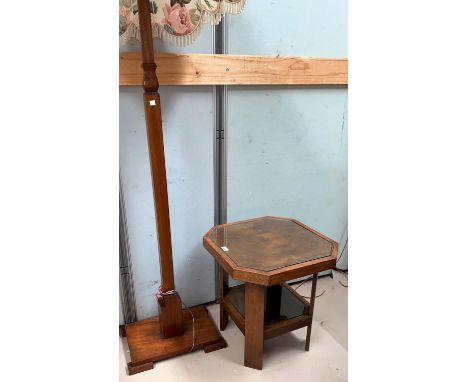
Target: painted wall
<point>287,146</point>
<point>303,28</point>
<point>188,137</point>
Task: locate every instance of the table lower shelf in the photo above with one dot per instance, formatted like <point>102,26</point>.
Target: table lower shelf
<point>285,309</point>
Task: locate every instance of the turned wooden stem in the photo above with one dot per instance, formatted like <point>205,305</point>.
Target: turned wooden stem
<point>156,147</point>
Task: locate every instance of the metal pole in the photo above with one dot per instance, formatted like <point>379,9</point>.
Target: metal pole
<point>220,139</point>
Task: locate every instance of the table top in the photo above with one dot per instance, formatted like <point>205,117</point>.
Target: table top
<point>269,243</point>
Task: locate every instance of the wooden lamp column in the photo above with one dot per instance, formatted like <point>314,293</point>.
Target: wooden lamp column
<point>175,331</point>
<point>170,306</point>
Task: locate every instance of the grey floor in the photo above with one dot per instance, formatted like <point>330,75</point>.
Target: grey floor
<point>284,356</point>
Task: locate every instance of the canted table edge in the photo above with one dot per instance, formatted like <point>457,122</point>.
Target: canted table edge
<point>275,276</point>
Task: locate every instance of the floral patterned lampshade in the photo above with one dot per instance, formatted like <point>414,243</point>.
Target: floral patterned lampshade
<point>176,21</point>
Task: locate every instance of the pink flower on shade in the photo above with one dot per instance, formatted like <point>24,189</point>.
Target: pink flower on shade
<point>126,13</point>
<point>177,18</point>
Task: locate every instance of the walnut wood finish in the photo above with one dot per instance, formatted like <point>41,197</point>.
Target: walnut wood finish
<point>274,263</point>
<point>170,315</point>
<point>281,252</point>
<point>170,307</point>
<point>286,326</point>
<point>150,80</point>
<point>270,243</point>
<point>171,333</point>
<point>228,69</point>
<point>254,321</point>
<point>235,296</point>
<point>146,346</point>
<point>152,104</point>
<point>311,310</point>
<point>139,368</point>
<point>223,288</point>
<point>238,319</point>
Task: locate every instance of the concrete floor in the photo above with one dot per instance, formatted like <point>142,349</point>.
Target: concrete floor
<point>284,356</point>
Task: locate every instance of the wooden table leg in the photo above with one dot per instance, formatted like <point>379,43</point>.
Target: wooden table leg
<point>311,309</point>
<point>254,322</point>
<point>223,288</point>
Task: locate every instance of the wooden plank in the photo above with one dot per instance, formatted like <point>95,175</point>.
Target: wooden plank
<point>234,314</point>
<point>281,327</point>
<point>212,69</point>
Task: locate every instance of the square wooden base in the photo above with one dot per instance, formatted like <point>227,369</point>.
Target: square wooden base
<point>146,345</point>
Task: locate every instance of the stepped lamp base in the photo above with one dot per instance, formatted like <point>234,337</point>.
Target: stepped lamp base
<point>147,346</point>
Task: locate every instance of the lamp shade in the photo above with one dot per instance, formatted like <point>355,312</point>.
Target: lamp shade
<point>177,21</point>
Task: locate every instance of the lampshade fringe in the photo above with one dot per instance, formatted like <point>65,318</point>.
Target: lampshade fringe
<point>226,7</point>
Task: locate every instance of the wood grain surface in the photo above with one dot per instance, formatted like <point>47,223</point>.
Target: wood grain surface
<point>212,69</point>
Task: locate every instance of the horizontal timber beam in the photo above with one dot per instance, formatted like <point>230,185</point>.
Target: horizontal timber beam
<point>213,69</point>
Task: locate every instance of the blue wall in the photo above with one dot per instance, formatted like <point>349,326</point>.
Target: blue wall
<point>287,146</point>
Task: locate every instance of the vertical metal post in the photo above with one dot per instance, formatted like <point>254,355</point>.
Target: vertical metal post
<point>220,138</point>
<point>127,293</point>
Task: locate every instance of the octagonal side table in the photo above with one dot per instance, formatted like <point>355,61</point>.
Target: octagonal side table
<point>265,253</point>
